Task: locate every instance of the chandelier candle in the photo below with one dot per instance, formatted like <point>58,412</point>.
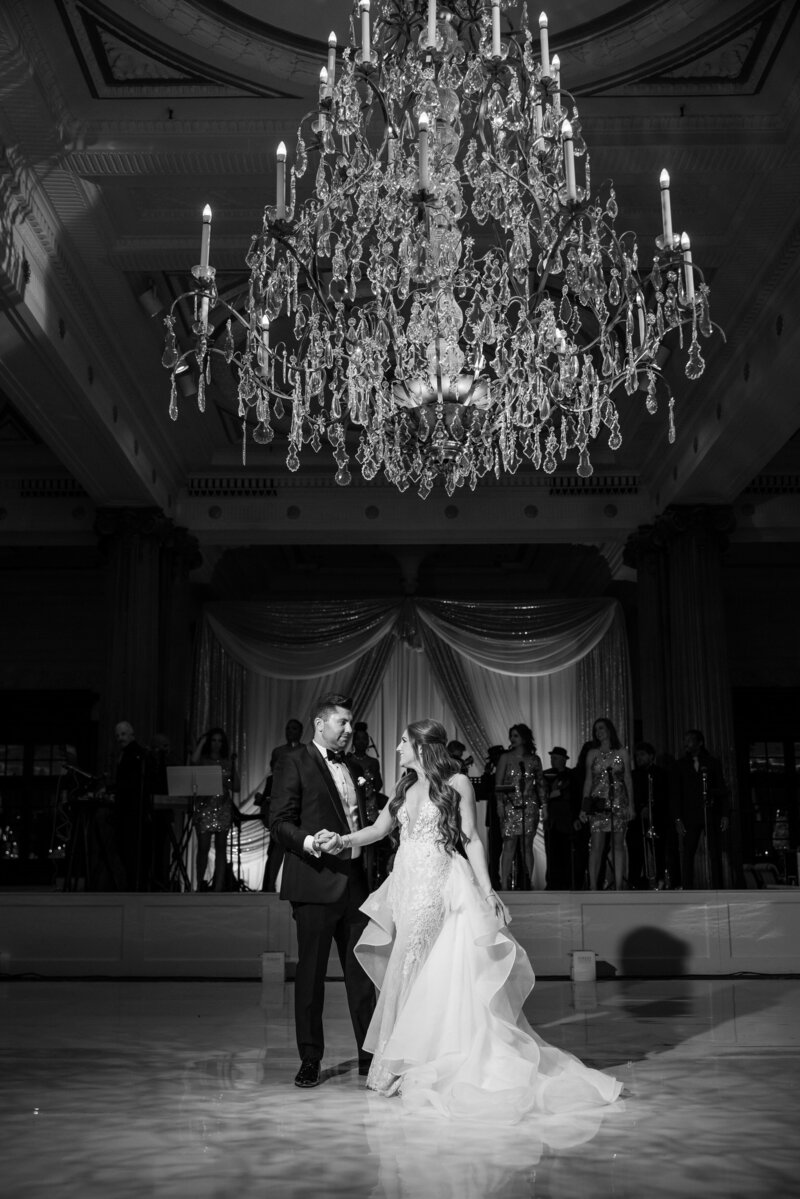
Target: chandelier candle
<point>688,272</point>
<point>556,67</point>
<point>424,173</point>
<point>280,184</point>
<point>205,258</point>
<point>205,238</point>
<point>544,44</point>
<point>569,162</point>
<point>366,49</point>
<point>445,302</point>
<point>331,60</point>
<point>666,210</point>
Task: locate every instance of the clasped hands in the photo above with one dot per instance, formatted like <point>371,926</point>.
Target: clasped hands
<point>328,842</point>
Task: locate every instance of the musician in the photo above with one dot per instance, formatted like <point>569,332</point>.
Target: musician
<point>214,814</point>
<point>456,750</point>
<point>159,757</point>
<point>647,855</point>
<point>132,808</point>
<point>518,793</point>
<point>561,818</point>
<point>262,799</point>
<point>699,806</point>
<point>607,803</point>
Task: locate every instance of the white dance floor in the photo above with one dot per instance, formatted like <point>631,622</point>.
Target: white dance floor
<point>183,1090</point>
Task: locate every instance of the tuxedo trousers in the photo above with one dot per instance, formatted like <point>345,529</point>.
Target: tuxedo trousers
<point>318,925</point>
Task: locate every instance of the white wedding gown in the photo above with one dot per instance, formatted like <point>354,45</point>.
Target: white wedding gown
<point>448,1032</point>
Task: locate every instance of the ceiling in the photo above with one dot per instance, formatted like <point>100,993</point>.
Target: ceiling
<point>121,119</point>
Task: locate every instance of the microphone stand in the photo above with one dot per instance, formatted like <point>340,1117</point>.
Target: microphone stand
<point>610,803</point>
<point>526,882</point>
<point>649,838</point>
<point>706,806</point>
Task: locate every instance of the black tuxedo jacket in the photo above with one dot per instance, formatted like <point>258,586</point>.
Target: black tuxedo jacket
<point>305,800</point>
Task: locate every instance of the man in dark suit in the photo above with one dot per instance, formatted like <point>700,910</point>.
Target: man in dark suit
<point>313,790</point>
<point>559,823</point>
<point>700,805</point>
<point>263,800</point>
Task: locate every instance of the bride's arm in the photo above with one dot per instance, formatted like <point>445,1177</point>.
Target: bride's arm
<point>473,846</point>
<point>334,843</point>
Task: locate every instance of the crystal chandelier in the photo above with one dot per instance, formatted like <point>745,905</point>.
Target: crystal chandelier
<point>440,295</point>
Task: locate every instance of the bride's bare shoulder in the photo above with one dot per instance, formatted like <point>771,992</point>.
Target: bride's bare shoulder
<point>460,782</point>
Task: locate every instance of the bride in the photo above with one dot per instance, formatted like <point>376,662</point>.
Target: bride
<point>448,1031</point>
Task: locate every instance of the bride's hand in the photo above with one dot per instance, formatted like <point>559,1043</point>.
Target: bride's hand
<point>498,907</point>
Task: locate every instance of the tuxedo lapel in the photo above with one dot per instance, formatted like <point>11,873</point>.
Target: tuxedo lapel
<point>330,787</point>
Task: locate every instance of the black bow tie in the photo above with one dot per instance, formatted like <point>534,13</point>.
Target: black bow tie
<point>336,755</point>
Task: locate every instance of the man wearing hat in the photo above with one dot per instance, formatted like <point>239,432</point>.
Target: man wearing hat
<point>559,822</point>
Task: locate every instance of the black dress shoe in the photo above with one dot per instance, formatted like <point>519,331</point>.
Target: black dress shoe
<point>308,1074</point>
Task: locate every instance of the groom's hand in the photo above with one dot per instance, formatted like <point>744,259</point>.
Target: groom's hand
<point>329,842</point>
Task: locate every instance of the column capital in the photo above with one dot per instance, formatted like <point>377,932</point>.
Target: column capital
<point>122,525</point>
<point>715,521</point>
<point>642,543</point>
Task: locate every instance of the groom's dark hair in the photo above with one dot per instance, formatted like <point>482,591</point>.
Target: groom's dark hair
<point>328,703</point>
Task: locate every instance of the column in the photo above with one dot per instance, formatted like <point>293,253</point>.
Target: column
<point>147,678</point>
<point>696,538</point>
<point>646,552</point>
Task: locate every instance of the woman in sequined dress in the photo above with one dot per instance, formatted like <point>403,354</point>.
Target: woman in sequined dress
<point>607,801</point>
<point>518,790</point>
<point>448,1033</point>
<point>214,814</point>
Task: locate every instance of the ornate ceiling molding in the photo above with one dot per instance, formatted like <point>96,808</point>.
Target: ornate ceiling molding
<point>181,50</point>
<point>725,49</point>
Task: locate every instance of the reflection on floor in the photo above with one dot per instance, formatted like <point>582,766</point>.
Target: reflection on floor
<point>124,1090</point>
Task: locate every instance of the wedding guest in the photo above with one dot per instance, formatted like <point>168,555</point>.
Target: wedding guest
<point>607,800</point>
<point>456,750</point>
<point>214,814</point>
<point>700,806</point>
<point>263,801</point>
<point>132,808</point>
<point>518,788</point>
<point>559,819</point>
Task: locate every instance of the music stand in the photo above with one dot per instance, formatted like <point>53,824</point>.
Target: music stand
<point>186,783</point>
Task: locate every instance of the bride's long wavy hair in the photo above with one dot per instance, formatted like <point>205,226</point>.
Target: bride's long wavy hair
<point>429,740</point>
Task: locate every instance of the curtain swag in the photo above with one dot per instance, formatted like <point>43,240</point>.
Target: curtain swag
<point>305,640</point>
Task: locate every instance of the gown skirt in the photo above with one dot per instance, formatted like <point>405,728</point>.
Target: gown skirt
<point>448,1033</point>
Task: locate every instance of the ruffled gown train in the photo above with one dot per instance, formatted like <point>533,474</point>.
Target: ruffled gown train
<point>448,1033</point>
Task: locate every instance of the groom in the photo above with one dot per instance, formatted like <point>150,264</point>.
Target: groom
<point>314,790</point>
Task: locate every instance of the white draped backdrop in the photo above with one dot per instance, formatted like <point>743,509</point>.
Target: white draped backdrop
<point>476,667</point>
